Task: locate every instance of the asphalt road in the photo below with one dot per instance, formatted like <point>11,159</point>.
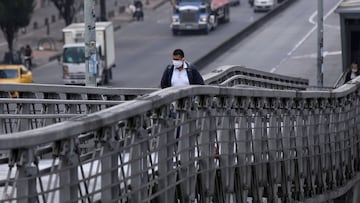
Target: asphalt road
<point>288,44</point>
<point>143,49</point>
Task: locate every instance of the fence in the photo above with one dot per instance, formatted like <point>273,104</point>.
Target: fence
<point>193,144</point>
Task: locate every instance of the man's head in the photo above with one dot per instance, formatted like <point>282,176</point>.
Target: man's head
<point>354,67</point>
<point>178,58</point>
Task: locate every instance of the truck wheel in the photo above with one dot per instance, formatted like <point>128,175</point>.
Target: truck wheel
<point>226,17</point>
<point>205,31</point>
<point>175,32</point>
<point>105,79</point>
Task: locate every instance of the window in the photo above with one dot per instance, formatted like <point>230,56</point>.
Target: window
<point>9,73</point>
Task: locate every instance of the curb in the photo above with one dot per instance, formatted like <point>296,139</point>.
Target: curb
<point>234,40</point>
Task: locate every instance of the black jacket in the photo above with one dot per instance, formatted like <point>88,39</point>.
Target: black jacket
<point>193,76</point>
<point>348,75</point>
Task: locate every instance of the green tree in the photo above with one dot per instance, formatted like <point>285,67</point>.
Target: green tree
<point>68,9</point>
<point>14,14</point>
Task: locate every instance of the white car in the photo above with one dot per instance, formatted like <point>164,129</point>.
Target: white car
<point>263,5</point>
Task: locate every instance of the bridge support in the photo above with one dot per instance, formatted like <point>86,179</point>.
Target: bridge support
<point>68,171</point>
<point>109,163</point>
<point>26,182</point>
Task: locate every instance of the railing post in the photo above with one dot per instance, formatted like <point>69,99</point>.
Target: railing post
<point>300,130</point>
<point>109,165</point>
<point>243,137</point>
<point>26,123</point>
<point>68,168</point>
<point>167,174</point>
<point>26,181</point>
<point>257,168</point>
<point>51,108</point>
<point>206,146</point>
<point>138,159</point>
<point>2,120</point>
<point>287,142</point>
<point>274,147</point>
<point>186,150</point>
<point>226,147</point>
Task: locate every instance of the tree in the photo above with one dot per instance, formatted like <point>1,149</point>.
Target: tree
<point>14,14</point>
<point>68,9</point>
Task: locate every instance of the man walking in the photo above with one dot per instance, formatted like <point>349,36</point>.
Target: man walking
<point>180,72</point>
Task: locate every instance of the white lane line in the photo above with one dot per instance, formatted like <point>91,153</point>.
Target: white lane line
<point>314,55</point>
<point>311,20</point>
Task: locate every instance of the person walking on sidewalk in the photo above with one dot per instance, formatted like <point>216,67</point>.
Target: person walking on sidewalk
<point>28,56</point>
<point>180,72</point>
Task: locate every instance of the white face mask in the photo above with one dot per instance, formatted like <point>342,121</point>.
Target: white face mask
<point>177,63</point>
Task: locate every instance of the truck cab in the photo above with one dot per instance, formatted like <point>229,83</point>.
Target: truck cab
<point>199,15</point>
<point>73,56</point>
<point>73,62</point>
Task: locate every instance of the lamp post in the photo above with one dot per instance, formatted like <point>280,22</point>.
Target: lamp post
<point>320,41</point>
<point>90,43</point>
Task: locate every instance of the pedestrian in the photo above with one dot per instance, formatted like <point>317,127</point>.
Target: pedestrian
<point>353,72</point>
<point>138,13</point>
<point>180,72</point>
<point>28,56</point>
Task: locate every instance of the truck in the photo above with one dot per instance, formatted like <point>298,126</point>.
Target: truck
<point>73,53</point>
<point>199,15</point>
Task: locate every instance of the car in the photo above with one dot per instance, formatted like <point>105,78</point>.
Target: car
<point>263,5</point>
<point>15,73</point>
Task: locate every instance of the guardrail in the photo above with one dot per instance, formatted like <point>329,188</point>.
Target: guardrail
<point>39,105</point>
<point>195,143</point>
<point>233,75</point>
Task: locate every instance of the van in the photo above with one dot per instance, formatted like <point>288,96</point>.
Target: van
<point>263,5</point>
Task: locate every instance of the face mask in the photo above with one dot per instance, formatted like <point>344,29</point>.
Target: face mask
<point>354,70</point>
<point>177,63</point>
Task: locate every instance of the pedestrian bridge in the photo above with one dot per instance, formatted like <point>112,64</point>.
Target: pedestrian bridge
<point>246,136</point>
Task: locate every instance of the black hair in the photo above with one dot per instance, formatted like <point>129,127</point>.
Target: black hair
<point>178,52</point>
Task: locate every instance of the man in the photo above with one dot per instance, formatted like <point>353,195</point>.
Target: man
<point>28,56</point>
<point>180,73</point>
<point>353,72</point>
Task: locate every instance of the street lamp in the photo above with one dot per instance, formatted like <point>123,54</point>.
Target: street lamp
<point>320,52</point>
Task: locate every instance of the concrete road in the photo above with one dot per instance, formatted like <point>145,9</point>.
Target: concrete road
<point>143,49</point>
<point>288,44</point>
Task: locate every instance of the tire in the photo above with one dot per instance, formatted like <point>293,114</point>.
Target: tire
<point>175,32</point>
<point>227,15</point>
<point>106,77</point>
<point>205,31</point>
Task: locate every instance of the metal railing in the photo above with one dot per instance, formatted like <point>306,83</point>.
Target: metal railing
<point>193,144</point>
<point>39,105</point>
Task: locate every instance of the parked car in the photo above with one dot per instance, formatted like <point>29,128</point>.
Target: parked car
<point>15,73</point>
<point>263,5</point>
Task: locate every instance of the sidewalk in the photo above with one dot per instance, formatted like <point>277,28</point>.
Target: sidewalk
<point>46,42</point>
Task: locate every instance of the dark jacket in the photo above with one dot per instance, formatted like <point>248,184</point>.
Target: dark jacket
<point>348,75</point>
<point>193,76</point>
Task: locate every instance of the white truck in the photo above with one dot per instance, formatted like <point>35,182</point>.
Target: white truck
<point>73,54</point>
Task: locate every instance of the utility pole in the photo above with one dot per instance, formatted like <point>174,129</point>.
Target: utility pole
<point>90,43</point>
<point>103,10</point>
<point>320,52</point>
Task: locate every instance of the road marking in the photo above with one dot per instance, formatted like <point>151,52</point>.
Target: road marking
<point>311,20</point>
<point>3,44</point>
<point>314,55</point>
